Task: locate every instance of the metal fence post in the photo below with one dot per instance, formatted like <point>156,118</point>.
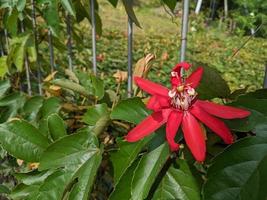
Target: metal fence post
<point>93,35</point>
<point>130,57</point>
<point>51,49</point>
<point>27,67</point>
<point>265,77</point>
<point>184,32</point>
<point>2,53</point>
<point>35,32</point>
<point>7,41</point>
<point>69,40</point>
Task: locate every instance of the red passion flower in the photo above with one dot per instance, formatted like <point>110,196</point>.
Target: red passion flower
<point>180,106</point>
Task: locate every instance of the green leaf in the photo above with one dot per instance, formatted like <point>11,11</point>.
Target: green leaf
<point>4,86</point>
<point>11,104</point>
<point>258,94</point>
<point>178,183</point>
<point>80,162</point>
<point>94,113</point>
<point>21,5</point>
<point>12,21</point>
<point>114,2</point>
<point>98,23</point>
<point>81,12</point>
<point>51,16</point>
<point>17,52</point>
<point>56,126</point>
<point>259,105</point>
<point>170,3</point>
<point>86,176</point>
<point>50,106</point>
<point>67,4</point>
<point>32,107</point>
<point>134,106</point>
<point>127,152</point>
<point>98,117</point>
<point>254,120</point>
<point>235,94</point>
<point>67,84</point>
<point>54,186</point>
<point>4,190</point>
<point>125,156</point>
<point>33,177</point>
<point>22,140</point>
<point>239,172</point>
<point>123,187</point>
<point>147,171</point>
<point>32,55</point>
<point>69,152</point>
<point>4,66</point>
<point>98,87</point>
<point>22,191</point>
<point>212,85</point>
<point>128,5</point>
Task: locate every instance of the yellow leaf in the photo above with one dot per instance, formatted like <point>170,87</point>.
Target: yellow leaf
<point>20,162</point>
<point>120,76</point>
<point>33,166</point>
<point>50,76</point>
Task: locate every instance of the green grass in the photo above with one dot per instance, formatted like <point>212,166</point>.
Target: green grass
<point>212,46</point>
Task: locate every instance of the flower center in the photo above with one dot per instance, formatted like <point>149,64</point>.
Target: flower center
<point>182,97</point>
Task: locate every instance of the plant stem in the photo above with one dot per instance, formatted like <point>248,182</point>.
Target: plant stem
<point>130,58</point>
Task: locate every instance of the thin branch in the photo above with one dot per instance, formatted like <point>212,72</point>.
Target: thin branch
<point>242,45</point>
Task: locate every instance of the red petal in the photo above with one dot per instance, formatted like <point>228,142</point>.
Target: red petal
<point>173,123</point>
<point>225,112</point>
<point>213,123</point>
<point>157,103</point>
<point>194,137</point>
<point>150,87</point>
<point>177,80</point>
<point>194,79</point>
<point>147,126</point>
<point>180,65</point>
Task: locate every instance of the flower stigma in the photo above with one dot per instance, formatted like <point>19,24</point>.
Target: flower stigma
<point>182,97</point>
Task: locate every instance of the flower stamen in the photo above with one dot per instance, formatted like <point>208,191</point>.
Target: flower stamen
<point>182,97</point>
